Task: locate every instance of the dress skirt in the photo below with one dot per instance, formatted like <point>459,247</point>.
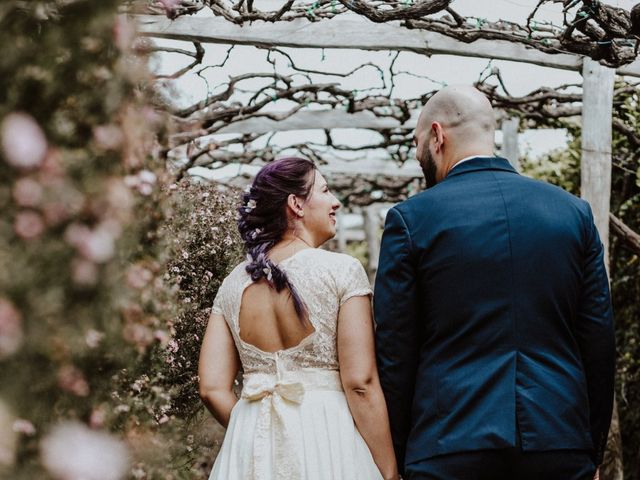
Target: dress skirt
<point>294,428</point>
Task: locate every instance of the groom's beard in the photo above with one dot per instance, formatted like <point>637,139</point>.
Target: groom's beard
<point>429,169</point>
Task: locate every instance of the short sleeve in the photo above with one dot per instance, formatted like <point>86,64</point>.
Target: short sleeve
<point>217,302</point>
<point>354,281</point>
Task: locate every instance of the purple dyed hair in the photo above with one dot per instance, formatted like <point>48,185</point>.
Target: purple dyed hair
<point>262,219</point>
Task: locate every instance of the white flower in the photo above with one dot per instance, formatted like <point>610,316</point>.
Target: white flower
<point>93,338</point>
<point>147,176</point>
<point>72,451</point>
<point>99,246</point>
<point>251,204</point>
<point>23,141</point>
<point>254,234</point>
<point>267,272</point>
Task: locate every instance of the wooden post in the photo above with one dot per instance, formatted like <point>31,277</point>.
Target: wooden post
<point>595,168</point>
<point>597,113</point>
<point>509,148</point>
<point>372,235</point>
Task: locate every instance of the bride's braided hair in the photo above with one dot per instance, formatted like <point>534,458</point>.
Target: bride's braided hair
<point>262,218</point>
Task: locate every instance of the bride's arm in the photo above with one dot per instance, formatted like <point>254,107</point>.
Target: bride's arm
<point>361,384</point>
<point>217,369</point>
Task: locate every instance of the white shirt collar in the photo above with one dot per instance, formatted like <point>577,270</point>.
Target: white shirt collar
<point>466,159</point>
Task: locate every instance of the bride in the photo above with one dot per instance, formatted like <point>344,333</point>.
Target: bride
<point>297,320</point>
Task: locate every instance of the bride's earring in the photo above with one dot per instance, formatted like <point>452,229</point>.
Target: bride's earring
<point>300,213</point>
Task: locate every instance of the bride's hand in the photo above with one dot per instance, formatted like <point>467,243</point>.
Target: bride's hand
<point>597,476</point>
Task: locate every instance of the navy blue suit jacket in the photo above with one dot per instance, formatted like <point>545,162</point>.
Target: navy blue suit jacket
<point>493,317</point>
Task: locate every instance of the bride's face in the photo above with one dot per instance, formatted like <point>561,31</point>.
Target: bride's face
<point>320,211</point>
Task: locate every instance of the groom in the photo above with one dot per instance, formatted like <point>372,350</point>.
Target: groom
<point>494,324</point>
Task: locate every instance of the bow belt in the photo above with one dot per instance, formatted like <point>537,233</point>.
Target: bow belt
<point>278,395</point>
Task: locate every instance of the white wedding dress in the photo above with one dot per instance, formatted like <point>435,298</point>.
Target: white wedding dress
<point>292,420</point>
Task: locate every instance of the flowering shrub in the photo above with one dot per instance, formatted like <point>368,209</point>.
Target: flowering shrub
<point>204,247</point>
<point>196,245</point>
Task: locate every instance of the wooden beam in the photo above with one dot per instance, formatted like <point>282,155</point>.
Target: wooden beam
<point>380,168</point>
<point>597,112</point>
<point>316,119</point>
<point>362,35</point>
<point>323,119</point>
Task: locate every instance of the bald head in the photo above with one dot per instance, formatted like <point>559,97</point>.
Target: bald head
<point>460,109</point>
<point>455,123</point>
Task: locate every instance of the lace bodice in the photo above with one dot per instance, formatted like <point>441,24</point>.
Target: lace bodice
<point>324,280</point>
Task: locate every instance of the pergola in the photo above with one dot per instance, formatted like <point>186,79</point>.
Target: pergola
<point>240,116</point>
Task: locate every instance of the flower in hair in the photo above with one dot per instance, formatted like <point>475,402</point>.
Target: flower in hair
<point>267,272</point>
<point>247,189</point>
<point>251,204</point>
<point>254,233</point>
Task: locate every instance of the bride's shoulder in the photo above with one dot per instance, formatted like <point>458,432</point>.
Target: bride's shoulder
<point>335,260</point>
<point>236,274</point>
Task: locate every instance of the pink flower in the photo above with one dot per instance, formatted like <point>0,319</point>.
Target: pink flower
<point>28,225</point>
<point>84,272</point>
<point>143,181</point>
<point>108,137</point>
<point>24,426</point>
<point>138,277</point>
<point>119,197</point>
<point>27,192</point>
<point>172,346</point>
<point>10,329</point>
<point>138,335</point>
<point>55,213</point>
<point>72,451</point>
<point>72,380</point>
<point>162,337</point>
<point>97,418</point>
<point>23,141</point>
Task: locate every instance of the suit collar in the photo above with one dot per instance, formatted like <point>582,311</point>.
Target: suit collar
<point>481,163</point>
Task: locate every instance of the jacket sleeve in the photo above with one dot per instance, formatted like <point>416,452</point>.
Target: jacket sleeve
<point>397,343</point>
<point>595,336</point>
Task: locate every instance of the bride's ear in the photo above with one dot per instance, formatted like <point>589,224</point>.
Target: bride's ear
<point>295,206</point>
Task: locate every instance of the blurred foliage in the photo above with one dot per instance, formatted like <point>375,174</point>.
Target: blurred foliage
<point>72,133</point>
<point>108,268</point>
<point>562,168</point>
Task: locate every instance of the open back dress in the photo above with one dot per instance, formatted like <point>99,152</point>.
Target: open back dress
<point>292,420</point>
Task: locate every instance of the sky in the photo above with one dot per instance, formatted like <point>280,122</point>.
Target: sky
<point>426,73</point>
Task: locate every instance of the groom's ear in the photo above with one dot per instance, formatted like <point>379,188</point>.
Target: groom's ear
<point>437,133</point>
